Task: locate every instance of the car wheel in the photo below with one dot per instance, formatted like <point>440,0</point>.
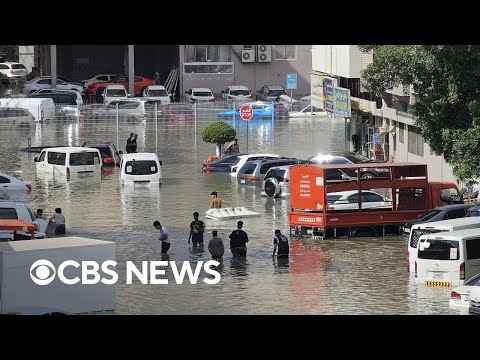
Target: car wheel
<point>367,176</point>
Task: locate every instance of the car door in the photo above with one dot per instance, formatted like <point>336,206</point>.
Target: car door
<point>41,162</point>
<point>42,84</point>
<point>371,200</point>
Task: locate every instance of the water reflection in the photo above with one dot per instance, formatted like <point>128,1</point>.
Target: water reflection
<point>238,266</point>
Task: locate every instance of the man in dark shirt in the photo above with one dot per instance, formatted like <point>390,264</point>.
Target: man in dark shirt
<point>128,148</point>
<point>280,243</point>
<point>197,227</point>
<point>238,241</point>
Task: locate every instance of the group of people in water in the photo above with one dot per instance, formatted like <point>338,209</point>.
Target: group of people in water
<point>57,219</point>
<point>238,237</point>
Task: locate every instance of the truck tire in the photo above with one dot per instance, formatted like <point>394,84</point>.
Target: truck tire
<point>272,187</point>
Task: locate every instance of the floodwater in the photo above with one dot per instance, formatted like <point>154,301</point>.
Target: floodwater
<point>361,276</point>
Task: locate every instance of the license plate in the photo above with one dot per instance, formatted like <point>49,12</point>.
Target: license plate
<point>242,181</point>
<point>438,275</point>
<point>85,174</point>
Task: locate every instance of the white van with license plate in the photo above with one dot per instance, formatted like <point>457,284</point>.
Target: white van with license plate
<point>66,161</point>
<point>447,259</point>
<point>435,227</point>
<point>140,169</point>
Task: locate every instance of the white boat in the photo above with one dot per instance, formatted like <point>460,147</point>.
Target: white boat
<point>230,213</point>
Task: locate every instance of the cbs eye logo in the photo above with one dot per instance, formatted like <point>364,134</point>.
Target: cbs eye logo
<point>42,272</point>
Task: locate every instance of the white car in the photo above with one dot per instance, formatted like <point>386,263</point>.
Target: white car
<point>348,200</point>
<point>203,95</point>
<point>242,159</point>
<point>114,92</point>
<point>237,93</point>
<point>18,211</point>
<point>46,83</point>
<point>48,91</point>
<point>157,92</point>
<point>13,70</point>
<point>460,296</point>
<point>98,78</point>
<point>11,183</point>
<point>276,182</point>
<point>308,111</point>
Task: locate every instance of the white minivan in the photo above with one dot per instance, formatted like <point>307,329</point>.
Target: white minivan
<point>435,227</point>
<point>67,161</point>
<point>447,259</point>
<point>140,169</point>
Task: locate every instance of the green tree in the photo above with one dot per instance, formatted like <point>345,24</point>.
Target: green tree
<point>446,81</point>
<point>218,133</point>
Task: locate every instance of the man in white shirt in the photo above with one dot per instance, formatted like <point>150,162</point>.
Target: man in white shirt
<point>59,221</point>
<point>163,236</point>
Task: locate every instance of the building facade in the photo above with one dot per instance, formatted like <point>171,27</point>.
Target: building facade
<point>378,120</point>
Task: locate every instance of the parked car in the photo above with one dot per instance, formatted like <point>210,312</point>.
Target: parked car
<point>439,213</point>
<point>307,112</point>
<point>98,78</point>
<point>179,112</point>
<point>348,200</point>
<point>140,169</point>
<point>221,165</point>
<point>69,160</point>
<point>242,159</point>
<point>133,110</point>
<point>46,83</point>
<point>261,111</point>
<point>18,211</point>
<point>289,103</point>
<point>351,158</point>
<point>114,92</point>
<point>237,93</point>
<point>66,107</point>
<point>276,182</point>
<point>11,183</point>
<point>13,70</point>
<point>157,92</point>
<point>95,90</point>
<point>42,109</point>
<point>253,172</point>
<point>109,152</point>
<point>460,296</point>
<point>474,210</point>
<point>16,116</point>
<point>74,92</point>
<point>270,93</point>
<point>200,95</point>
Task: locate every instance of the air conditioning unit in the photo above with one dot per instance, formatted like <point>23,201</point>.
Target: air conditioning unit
<point>248,56</point>
<point>264,53</point>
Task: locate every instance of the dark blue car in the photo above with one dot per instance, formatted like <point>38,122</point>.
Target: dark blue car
<point>221,165</point>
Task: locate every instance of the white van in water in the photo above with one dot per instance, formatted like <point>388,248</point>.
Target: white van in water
<point>140,169</point>
<point>448,258</point>
<point>435,227</point>
<point>42,109</point>
<point>70,160</point>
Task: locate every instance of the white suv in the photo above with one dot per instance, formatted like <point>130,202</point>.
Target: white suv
<point>237,93</point>
<point>13,70</point>
<point>200,95</point>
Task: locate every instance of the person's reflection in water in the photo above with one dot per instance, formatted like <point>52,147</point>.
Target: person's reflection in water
<point>165,257</point>
<point>281,264</point>
<point>196,252</point>
<point>238,266</point>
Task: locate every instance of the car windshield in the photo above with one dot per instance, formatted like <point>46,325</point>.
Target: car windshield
<point>439,250</point>
<point>332,198</point>
<point>157,92</point>
<point>428,215</point>
<point>115,92</point>
<point>84,158</point>
<point>240,92</point>
<point>202,93</point>
<point>276,92</point>
<point>141,167</point>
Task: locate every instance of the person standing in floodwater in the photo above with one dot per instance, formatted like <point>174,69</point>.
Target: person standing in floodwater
<point>197,227</point>
<point>163,237</point>
<point>280,243</point>
<point>128,148</point>
<point>238,241</point>
<point>216,247</point>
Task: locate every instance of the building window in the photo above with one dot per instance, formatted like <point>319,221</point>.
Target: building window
<point>285,52</point>
<point>207,53</point>
<point>415,141</point>
<point>401,132</point>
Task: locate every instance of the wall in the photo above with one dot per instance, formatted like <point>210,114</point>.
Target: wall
<point>255,75</point>
<point>340,60</point>
<point>25,56</point>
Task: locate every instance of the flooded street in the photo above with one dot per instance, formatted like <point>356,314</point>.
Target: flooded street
<point>361,276</point>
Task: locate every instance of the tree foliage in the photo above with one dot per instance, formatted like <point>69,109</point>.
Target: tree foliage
<point>218,132</point>
<point>446,82</point>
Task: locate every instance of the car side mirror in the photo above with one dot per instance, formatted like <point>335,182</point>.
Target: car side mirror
<point>35,159</point>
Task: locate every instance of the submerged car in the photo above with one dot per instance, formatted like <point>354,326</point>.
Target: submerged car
<point>221,165</point>
<point>460,296</point>
<point>109,152</point>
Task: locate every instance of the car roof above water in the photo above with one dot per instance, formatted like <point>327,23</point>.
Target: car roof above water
<point>140,156</point>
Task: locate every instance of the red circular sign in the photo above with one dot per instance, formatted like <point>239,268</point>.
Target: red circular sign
<point>246,112</point>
